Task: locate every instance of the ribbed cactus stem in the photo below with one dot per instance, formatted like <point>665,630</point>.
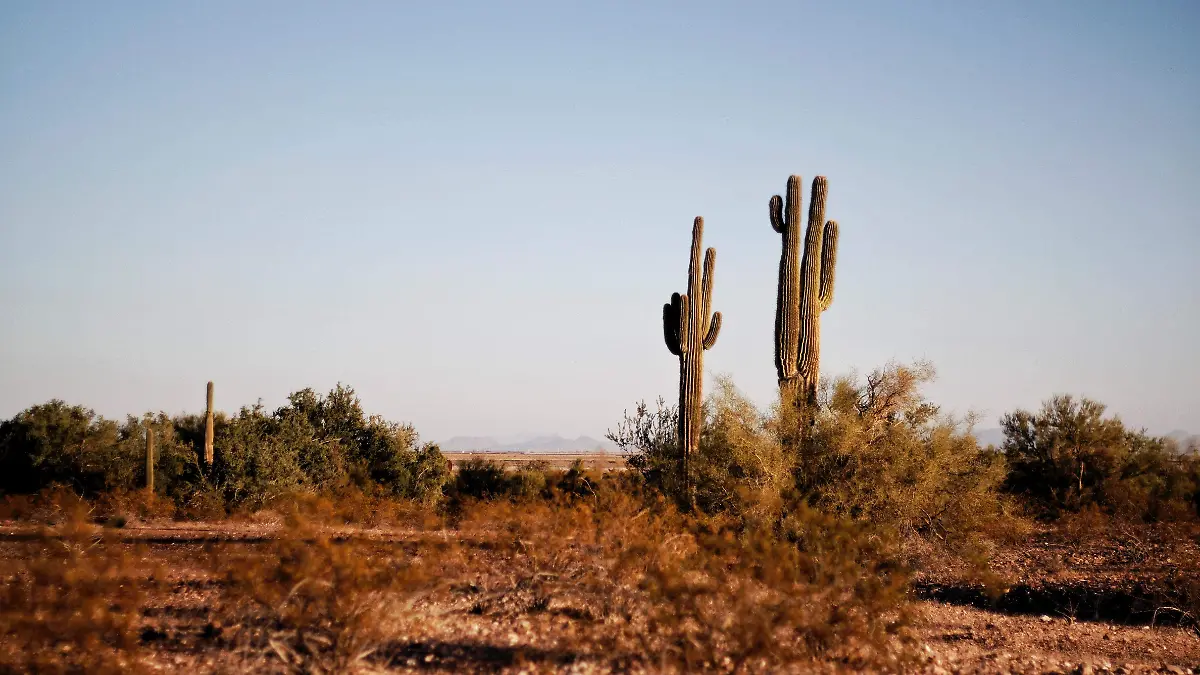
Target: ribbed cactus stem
<point>208,428</point>
<point>690,329</point>
<point>149,459</point>
<point>805,289</point>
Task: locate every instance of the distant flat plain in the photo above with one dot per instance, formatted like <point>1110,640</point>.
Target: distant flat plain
<point>556,460</point>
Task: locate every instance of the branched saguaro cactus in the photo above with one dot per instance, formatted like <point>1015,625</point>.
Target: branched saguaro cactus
<point>690,327</point>
<point>149,458</point>
<point>805,290</point>
<point>208,428</point>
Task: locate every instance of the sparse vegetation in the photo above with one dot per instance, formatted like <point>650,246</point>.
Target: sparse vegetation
<point>1069,456</point>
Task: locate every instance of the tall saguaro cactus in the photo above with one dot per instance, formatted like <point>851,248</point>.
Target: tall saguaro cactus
<point>690,327</point>
<point>149,459</point>
<point>805,290</point>
<point>208,428</point>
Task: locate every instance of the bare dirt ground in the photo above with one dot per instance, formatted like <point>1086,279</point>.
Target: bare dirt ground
<point>556,460</point>
<point>1075,602</point>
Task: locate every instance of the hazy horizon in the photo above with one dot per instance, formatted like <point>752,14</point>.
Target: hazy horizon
<point>473,213</point>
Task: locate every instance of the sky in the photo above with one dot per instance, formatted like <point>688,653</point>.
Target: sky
<point>472,212</point>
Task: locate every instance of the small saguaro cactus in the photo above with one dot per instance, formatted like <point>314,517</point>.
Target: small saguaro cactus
<point>805,290</point>
<point>208,428</point>
<point>690,327</point>
<point>149,459</point>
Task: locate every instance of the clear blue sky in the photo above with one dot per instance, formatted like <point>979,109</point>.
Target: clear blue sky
<point>473,212</point>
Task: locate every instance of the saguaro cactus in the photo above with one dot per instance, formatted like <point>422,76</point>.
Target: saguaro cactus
<point>690,327</point>
<point>805,290</point>
<point>149,459</point>
<point>208,428</point>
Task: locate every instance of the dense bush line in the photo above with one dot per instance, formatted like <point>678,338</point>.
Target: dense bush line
<point>314,444</point>
<point>878,451</point>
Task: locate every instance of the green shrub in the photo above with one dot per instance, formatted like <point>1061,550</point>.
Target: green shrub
<point>650,441</point>
<point>313,444</point>
<point>740,466</point>
<point>481,479</point>
<point>877,451</point>
<point>1069,456</point>
<point>880,452</point>
<point>55,443</point>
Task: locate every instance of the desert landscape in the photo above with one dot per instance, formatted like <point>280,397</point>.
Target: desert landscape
<point>213,597</point>
<point>544,337</point>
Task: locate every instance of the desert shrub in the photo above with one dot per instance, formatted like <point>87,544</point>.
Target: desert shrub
<point>676,593</point>
<point>56,443</point>
<point>312,444</point>
<point>254,462</point>
<point>530,481</point>
<point>1069,456</point>
<point>740,466</point>
<point>73,603</point>
<point>329,604</point>
<point>650,440</point>
<point>479,478</point>
<point>351,505</point>
<point>879,452</point>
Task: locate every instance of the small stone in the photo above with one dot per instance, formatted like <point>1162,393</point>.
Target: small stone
<point>1045,619</point>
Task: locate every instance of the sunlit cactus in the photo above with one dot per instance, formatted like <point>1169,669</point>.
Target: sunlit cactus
<point>149,459</point>
<point>208,428</point>
<point>690,327</point>
<point>805,290</point>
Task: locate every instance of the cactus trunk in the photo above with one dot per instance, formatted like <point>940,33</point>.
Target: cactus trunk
<point>208,428</point>
<point>689,328</point>
<point>805,290</point>
<point>149,459</point>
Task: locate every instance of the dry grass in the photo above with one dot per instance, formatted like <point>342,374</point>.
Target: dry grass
<point>73,606</point>
<point>605,581</point>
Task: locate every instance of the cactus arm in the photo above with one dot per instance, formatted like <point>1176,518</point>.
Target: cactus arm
<point>787,307</point>
<point>684,323</point>
<point>829,246</point>
<point>710,261</point>
<point>695,282</point>
<point>776,208</point>
<point>671,327</point>
<point>714,327</point>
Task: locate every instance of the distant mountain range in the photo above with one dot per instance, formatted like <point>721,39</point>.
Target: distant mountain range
<point>551,443</point>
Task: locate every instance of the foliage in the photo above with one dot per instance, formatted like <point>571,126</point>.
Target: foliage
<point>880,452</point>
<point>741,466</point>
<point>312,444</point>
<point>650,441</point>
<point>1069,456</point>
